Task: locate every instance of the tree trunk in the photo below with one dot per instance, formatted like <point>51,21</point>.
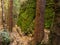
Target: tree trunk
<point>10,17</point>
<point>39,21</point>
<point>56,24</point>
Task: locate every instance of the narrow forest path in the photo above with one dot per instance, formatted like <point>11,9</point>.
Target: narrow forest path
<point>19,39</point>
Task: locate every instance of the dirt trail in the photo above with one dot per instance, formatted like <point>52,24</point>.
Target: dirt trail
<point>19,39</point>
<point>25,40</point>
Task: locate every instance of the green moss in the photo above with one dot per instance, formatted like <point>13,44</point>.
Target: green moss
<point>49,13</point>
<point>27,16</point>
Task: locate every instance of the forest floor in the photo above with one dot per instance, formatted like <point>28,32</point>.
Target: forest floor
<point>18,38</point>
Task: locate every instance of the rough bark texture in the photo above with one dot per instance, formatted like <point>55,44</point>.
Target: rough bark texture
<point>2,9</point>
<point>39,21</point>
<point>10,17</point>
<point>56,25</point>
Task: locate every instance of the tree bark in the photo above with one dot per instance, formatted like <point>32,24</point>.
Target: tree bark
<point>56,24</point>
<point>39,21</point>
<point>10,17</point>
